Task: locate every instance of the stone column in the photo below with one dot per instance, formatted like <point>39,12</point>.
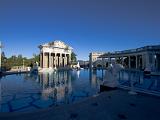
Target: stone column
<point>129,62</point>
<point>55,60</point>
<point>65,60</point>
<point>139,61</point>
<point>61,56</point>
<point>154,66</point>
<point>60,60</point>
<point>49,54</point>
<point>43,61</point>
<point>136,62</point>
<point>143,61</point>
<point>50,60</point>
<point>47,60</point>
<point>147,60</point>
<point>70,59</point>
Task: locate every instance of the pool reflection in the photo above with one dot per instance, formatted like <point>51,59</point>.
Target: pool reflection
<point>138,81</point>
<point>67,86</point>
<point>55,85</point>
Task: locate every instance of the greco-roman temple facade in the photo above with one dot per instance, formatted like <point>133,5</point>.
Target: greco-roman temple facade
<point>139,58</point>
<point>55,54</point>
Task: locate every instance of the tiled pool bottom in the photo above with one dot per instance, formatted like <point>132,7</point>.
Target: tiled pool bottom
<point>27,92</point>
<point>112,105</point>
<point>33,101</point>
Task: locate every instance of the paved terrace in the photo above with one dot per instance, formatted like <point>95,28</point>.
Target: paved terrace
<point>113,105</point>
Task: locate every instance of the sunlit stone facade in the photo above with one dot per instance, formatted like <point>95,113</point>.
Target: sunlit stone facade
<point>95,60</point>
<point>55,54</point>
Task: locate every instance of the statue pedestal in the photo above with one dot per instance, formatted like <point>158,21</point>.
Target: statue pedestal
<point>108,86</point>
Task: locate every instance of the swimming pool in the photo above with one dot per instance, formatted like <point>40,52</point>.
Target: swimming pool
<point>28,92</point>
<point>138,81</point>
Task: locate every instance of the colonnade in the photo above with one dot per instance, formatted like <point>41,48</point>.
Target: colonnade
<point>130,61</point>
<point>139,58</point>
<point>133,61</point>
<point>51,60</point>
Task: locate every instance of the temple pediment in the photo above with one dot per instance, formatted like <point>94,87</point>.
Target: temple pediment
<point>56,44</point>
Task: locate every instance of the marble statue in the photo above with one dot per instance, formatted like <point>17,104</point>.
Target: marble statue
<point>111,74</point>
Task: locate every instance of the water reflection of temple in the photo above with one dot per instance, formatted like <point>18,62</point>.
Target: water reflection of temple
<point>56,85</point>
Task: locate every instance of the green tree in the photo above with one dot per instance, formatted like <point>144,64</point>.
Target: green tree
<point>8,63</point>
<point>36,58</point>
<point>3,61</point>
<point>73,57</point>
<point>3,57</point>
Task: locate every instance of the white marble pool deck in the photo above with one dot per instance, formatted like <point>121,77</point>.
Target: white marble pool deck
<point>112,105</point>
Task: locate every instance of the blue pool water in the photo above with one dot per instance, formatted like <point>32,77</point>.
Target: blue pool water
<point>140,82</point>
<point>28,92</point>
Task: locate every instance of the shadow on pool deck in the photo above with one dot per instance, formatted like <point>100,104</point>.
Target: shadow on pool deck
<point>112,105</point>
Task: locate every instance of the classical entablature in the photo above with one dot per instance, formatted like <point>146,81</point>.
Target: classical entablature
<point>56,46</point>
<point>55,54</point>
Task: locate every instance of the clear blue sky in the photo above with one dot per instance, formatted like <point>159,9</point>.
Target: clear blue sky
<point>86,25</point>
